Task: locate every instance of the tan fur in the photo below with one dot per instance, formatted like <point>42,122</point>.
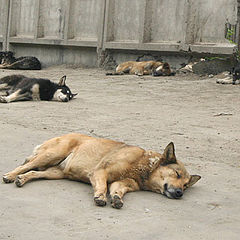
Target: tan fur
<point>104,162</point>
<point>144,68</point>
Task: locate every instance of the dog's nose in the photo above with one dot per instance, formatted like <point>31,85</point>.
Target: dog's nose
<point>156,74</point>
<point>178,192</point>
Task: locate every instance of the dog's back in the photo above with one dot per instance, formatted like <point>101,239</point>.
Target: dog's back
<point>11,80</point>
<point>8,83</point>
<point>27,63</point>
<point>143,68</point>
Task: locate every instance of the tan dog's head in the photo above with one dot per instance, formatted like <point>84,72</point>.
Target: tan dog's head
<point>169,176</point>
<point>161,69</point>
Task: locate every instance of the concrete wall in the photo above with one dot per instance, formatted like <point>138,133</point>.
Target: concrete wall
<point>210,17</point>
<point>4,8</point>
<point>77,31</point>
<point>170,26</point>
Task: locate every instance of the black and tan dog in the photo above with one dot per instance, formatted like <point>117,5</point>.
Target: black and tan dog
<point>236,74</point>
<point>8,61</point>
<point>143,68</point>
<point>231,77</point>
<point>22,88</point>
<point>103,162</point>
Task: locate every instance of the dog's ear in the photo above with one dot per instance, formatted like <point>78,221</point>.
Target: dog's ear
<point>168,156</point>
<point>62,81</point>
<point>74,94</point>
<point>193,180</point>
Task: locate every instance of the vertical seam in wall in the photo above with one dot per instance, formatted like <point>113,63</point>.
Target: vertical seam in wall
<point>9,23</point>
<point>66,22</point>
<point>100,46</point>
<point>36,21</point>
<point>238,25</point>
<point>189,39</point>
<point>6,37</point>
<point>142,32</point>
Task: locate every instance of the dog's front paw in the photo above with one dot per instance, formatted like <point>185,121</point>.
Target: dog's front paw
<point>100,200</point>
<point>3,99</point>
<point>116,202</point>
<point>7,178</point>
<point>19,181</point>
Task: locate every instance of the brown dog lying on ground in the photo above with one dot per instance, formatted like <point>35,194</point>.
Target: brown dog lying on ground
<point>101,162</point>
<point>143,68</point>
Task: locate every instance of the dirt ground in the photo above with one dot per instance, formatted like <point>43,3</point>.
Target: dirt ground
<point>145,111</point>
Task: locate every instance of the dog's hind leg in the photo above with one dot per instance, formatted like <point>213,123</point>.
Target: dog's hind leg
<point>15,96</point>
<point>4,66</point>
<point>52,173</point>
<point>119,188</point>
<point>120,70</point>
<point>34,163</point>
<point>139,71</point>
<point>4,86</point>
<point>42,160</point>
<point>99,183</point>
<point>14,65</point>
<point>49,154</point>
<point>123,69</point>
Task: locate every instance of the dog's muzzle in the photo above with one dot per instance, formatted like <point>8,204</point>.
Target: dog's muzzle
<point>65,100</point>
<point>171,192</point>
<point>156,74</point>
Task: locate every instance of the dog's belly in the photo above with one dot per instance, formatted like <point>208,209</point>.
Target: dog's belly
<point>81,163</point>
<point>80,168</point>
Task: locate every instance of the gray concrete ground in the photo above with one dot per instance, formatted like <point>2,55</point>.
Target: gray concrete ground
<point>145,111</point>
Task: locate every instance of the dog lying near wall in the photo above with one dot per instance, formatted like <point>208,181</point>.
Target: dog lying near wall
<point>8,61</point>
<point>143,68</point>
<point>103,162</point>
<point>232,77</point>
<point>22,88</point>
<point>236,74</point>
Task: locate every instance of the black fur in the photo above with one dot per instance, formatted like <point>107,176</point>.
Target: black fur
<point>1,56</point>
<point>236,73</point>
<point>8,61</point>
<point>23,86</point>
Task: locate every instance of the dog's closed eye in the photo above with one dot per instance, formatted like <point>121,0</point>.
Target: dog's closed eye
<point>178,175</point>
